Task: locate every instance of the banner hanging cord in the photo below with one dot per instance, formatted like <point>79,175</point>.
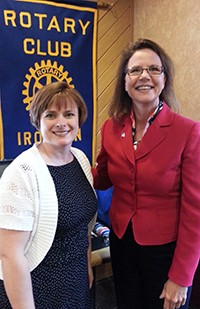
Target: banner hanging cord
<point>104,5</point>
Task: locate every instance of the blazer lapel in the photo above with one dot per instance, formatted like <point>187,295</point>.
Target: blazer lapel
<point>153,137</point>
<point>156,133</point>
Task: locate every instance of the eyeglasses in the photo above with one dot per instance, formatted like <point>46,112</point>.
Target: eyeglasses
<point>138,70</point>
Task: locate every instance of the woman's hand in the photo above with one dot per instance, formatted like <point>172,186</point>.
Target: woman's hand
<point>90,275</point>
<point>90,271</point>
<point>174,295</point>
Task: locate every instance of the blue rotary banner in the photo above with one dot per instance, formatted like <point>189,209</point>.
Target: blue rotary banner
<point>43,42</point>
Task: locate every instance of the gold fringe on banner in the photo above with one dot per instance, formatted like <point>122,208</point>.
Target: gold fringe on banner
<point>1,136</point>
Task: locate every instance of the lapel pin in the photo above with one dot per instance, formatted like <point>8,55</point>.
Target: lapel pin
<point>123,134</point>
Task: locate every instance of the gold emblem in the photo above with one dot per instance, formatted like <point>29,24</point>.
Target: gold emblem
<point>43,74</point>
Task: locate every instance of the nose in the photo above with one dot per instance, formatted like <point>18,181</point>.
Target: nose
<point>145,73</point>
<point>61,122</point>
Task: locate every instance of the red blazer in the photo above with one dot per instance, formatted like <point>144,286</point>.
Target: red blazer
<point>157,186</point>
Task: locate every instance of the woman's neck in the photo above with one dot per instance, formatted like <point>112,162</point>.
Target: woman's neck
<point>54,155</point>
<point>141,114</point>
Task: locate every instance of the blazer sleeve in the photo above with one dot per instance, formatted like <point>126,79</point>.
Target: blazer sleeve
<point>187,252</point>
<point>100,172</point>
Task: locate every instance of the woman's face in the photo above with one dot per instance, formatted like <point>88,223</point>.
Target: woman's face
<point>144,88</point>
<point>59,127</point>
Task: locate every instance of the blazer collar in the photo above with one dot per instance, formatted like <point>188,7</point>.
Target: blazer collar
<point>155,134</point>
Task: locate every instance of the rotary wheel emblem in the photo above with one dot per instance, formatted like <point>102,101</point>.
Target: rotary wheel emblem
<point>41,75</point>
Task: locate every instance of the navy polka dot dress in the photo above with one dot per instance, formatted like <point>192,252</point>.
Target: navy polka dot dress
<point>60,281</point>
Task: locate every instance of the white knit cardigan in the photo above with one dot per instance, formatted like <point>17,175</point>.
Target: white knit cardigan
<point>28,201</point>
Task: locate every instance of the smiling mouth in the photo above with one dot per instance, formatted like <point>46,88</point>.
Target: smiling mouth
<point>144,87</point>
<point>61,133</point>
